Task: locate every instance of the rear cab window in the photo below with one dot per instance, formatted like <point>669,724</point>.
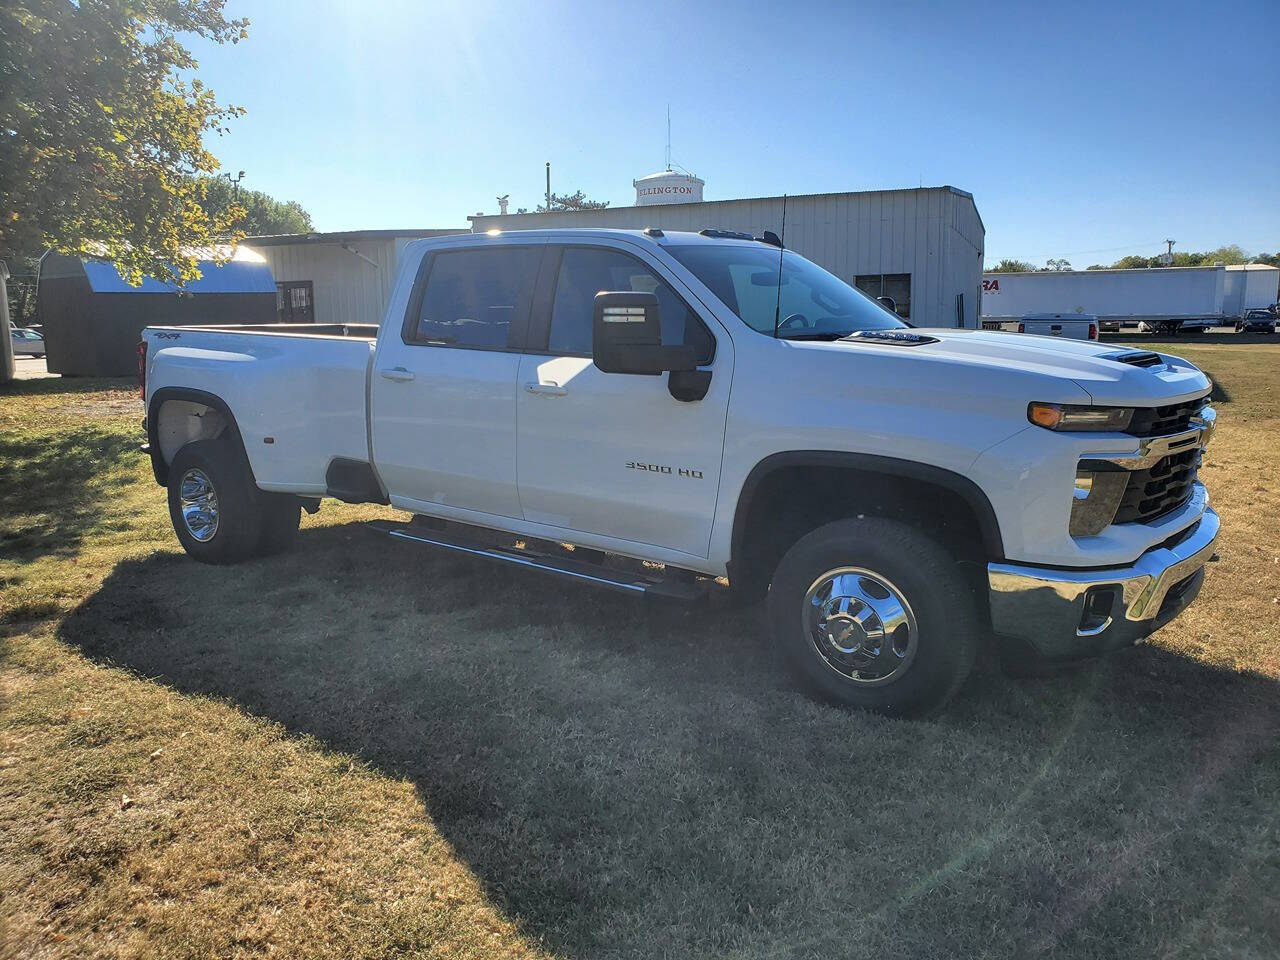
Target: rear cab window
<point>477,299</point>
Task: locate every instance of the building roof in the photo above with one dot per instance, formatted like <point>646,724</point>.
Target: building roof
<point>245,272</point>
<point>345,236</point>
<point>711,203</point>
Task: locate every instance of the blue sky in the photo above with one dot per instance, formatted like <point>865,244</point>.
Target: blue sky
<point>1083,130</point>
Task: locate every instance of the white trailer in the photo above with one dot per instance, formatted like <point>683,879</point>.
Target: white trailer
<point>1163,297</point>
<point>1250,286</point>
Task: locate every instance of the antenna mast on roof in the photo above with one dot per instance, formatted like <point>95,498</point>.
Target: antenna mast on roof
<point>668,137</point>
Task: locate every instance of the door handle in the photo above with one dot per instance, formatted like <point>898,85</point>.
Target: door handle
<point>546,389</point>
<point>399,374</point>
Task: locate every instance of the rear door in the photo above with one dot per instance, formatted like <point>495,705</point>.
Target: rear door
<point>615,455</point>
<point>443,387</point>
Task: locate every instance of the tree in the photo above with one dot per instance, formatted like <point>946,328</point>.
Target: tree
<point>568,201</point>
<point>101,132</point>
<point>263,215</point>
<point>1052,265</point>
<point>1132,262</point>
<point>1011,266</point>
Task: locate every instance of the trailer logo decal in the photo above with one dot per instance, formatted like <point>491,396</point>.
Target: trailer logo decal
<point>990,286</point>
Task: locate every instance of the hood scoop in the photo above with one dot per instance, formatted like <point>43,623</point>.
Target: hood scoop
<point>1135,358</point>
<point>895,338</point>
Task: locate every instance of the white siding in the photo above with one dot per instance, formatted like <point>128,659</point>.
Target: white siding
<point>934,234</point>
<point>347,287</point>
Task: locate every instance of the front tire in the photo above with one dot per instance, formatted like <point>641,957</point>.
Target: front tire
<point>215,507</point>
<point>874,614</point>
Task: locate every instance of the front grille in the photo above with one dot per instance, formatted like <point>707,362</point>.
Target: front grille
<point>1161,489</point>
<point>1158,421</point>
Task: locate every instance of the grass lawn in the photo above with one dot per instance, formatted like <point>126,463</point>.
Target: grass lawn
<point>365,749</point>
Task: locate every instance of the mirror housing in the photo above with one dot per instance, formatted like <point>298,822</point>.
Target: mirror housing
<point>627,336</point>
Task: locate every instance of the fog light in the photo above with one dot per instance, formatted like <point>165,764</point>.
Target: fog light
<point>1096,615</point>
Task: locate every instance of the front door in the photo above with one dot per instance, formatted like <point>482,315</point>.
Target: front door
<point>443,388</point>
<point>295,302</point>
<point>615,455</point>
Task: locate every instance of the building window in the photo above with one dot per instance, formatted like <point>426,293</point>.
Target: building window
<point>894,285</point>
<point>295,302</point>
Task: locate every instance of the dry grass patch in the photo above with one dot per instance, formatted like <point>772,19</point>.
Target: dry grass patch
<point>362,749</point>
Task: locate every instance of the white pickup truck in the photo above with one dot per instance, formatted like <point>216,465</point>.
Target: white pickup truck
<point>655,412</point>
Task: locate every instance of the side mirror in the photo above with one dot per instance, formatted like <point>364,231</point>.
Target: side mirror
<point>627,336</point>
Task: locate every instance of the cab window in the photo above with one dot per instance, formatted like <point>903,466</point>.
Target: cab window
<point>585,271</point>
<point>476,298</point>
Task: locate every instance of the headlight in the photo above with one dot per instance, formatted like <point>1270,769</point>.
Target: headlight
<point>1065,416</point>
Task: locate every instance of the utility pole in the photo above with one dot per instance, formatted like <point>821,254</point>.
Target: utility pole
<point>235,184</point>
<point>1170,243</point>
<point>548,186</point>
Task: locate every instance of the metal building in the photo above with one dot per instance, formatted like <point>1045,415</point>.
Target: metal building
<point>922,247</point>
<point>343,277</point>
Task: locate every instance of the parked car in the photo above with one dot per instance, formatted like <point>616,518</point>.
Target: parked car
<point>1073,326</point>
<point>1257,321</point>
<point>26,342</point>
<point>1172,326</point>
<point>684,407</point>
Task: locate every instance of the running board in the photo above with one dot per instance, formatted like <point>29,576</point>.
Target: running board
<point>627,581</point>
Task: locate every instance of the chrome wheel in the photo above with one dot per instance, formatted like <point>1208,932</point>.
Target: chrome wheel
<point>198,502</point>
<point>861,625</point>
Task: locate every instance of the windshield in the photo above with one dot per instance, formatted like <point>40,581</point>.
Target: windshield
<point>814,304</point>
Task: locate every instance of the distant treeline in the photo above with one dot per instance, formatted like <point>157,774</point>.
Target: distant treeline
<point>1232,253</point>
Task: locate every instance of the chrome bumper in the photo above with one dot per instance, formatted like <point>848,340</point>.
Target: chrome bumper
<point>1064,614</point>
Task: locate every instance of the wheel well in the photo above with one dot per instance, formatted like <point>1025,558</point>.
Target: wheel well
<point>179,417</point>
<point>788,500</point>
<point>179,422</point>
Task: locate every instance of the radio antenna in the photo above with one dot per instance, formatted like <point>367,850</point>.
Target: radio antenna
<point>782,246</point>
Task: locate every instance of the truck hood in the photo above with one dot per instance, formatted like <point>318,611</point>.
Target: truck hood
<point>1097,368</point>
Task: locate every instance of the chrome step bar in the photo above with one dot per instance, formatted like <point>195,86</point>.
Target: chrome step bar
<point>627,581</point>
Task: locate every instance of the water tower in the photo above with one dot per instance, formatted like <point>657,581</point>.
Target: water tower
<point>668,186</point>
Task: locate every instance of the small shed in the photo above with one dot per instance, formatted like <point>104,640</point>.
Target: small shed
<point>93,319</point>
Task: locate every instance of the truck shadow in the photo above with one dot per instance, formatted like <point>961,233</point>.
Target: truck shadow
<point>639,780</point>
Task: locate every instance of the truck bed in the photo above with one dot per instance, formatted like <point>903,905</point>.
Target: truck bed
<point>297,391</point>
<point>354,331</point>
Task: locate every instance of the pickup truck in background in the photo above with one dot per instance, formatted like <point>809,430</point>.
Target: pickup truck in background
<point>1072,326</point>
<point>664,413</point>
